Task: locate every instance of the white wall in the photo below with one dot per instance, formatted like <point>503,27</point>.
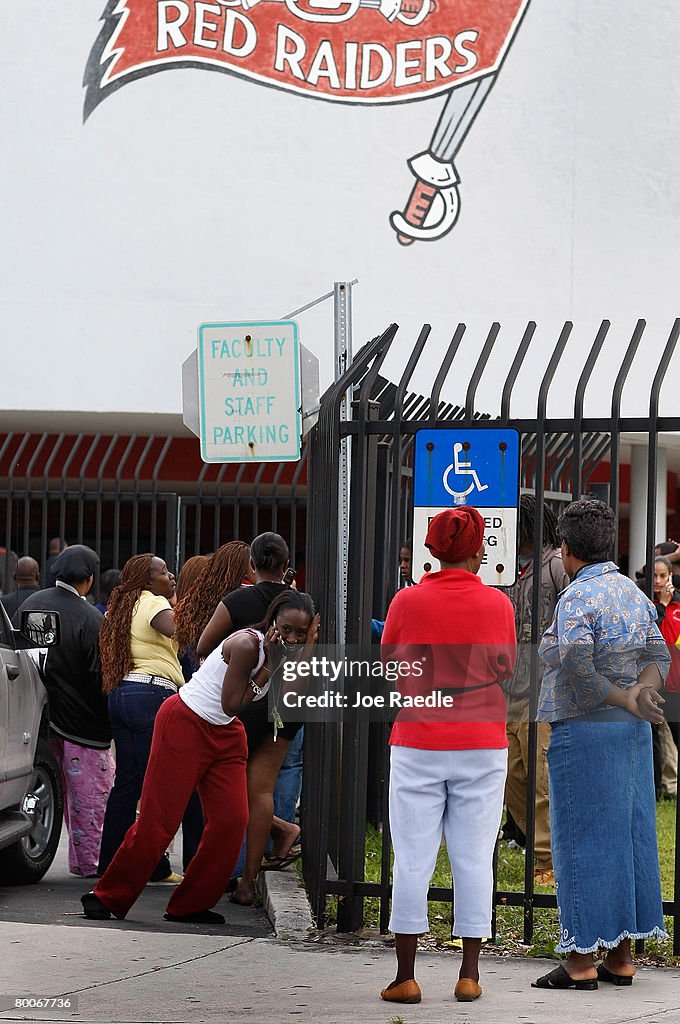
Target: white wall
<point>191,196</point>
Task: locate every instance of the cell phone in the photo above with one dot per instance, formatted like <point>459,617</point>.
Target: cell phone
<point>288,576</point>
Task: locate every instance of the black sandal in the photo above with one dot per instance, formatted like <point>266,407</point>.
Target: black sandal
<point>560,979</point>
<point>615,979</point>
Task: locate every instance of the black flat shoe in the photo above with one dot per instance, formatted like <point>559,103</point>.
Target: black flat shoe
<point>622,980</point>
<point>560,979</point>
<point>200,917</point>
<point>94,908</point>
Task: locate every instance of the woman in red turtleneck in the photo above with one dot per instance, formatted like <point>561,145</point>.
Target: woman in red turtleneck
<point>448,765</point>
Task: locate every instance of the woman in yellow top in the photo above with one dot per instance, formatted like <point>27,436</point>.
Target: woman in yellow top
<point>140,670</point>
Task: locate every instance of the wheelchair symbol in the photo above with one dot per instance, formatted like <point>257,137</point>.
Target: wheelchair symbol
<point>461,467</point>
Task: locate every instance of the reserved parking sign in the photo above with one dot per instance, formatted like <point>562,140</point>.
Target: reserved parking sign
<point>476,466</point>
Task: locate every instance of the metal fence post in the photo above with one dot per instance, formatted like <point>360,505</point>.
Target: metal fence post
<point>354,764</point>
<point>342,350</point>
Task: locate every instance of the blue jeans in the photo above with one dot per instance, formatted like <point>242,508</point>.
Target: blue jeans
<point>286,791</point>
<point>132,711</point>
<point>289,781</point>
<point>603,831</point>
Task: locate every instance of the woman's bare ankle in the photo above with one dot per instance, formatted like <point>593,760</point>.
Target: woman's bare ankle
<point>619,964</point>
<point>580,966</point>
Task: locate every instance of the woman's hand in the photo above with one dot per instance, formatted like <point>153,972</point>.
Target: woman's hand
<point>644,702</point>
<point>631,695</point>
<point>272,638</point>
<point>666,593</point>
<point>313,631</point>
<point>649,705</point>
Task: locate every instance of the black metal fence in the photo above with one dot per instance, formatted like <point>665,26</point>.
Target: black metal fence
<point>348,783</point>
<point>112,493</point>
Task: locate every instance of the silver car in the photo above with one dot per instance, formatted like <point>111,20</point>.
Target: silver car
<point>31,795</point>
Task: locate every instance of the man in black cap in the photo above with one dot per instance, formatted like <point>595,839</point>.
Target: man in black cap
<point>81,733</point>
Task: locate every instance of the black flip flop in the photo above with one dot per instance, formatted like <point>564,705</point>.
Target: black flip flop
<point>278,863</point>
<point>560,979</point>
<point>614,979</point>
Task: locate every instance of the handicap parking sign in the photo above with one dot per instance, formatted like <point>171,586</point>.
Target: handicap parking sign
<point>476,466</point>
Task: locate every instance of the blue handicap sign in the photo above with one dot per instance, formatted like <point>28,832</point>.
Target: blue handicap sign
<point>467,466</point>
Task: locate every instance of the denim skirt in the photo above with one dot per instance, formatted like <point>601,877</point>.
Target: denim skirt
<point>603,831</point>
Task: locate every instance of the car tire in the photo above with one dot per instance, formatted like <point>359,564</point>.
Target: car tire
<point>27,860</point>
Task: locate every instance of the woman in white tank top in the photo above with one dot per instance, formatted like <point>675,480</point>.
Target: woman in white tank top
<point>198,743</point>
<point>291,628</point>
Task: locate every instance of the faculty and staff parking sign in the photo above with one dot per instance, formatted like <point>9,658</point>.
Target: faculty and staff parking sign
<point>249,391</point>
<point>476,466</point>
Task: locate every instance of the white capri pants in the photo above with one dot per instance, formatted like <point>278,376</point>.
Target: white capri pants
<point>461,793</point>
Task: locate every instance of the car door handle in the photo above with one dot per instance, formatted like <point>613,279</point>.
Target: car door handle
<point>12,671</point>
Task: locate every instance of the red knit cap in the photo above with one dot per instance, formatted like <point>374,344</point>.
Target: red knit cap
<point>456,534</point>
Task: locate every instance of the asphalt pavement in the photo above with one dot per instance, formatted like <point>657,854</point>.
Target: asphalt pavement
<point>56,901</point>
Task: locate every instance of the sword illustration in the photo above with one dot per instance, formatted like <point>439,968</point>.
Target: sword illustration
<point>434,205</point>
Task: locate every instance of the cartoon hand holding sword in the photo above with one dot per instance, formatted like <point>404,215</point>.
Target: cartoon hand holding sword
<point>434,205</point>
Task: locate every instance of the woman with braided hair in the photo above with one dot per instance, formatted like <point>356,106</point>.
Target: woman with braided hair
<point>140,670</point>
<point>222,573</point>
<point>192,569</point>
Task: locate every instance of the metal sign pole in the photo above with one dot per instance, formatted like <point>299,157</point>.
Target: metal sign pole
<point>342,321</point>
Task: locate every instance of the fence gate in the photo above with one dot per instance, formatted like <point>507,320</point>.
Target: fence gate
<point>563,459</point>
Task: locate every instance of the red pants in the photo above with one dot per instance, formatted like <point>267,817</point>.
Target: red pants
<point>187,753</point>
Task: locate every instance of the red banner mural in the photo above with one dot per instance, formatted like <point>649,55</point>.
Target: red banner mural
<point>363,52</point>
<point>357,51</point>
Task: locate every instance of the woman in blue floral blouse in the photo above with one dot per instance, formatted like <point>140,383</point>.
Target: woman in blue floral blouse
<point>605,661</point>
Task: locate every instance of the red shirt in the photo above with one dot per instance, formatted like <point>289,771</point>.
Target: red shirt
<point>669,627</point>
<point>471,630</point>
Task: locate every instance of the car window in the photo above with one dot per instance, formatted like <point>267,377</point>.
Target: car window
<point>5,634</point>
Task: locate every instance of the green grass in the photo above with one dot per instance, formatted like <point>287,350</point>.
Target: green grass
<point>511,878</point>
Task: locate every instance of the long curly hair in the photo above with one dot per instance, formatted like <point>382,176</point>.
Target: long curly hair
<point>191,570</point>
<point>114,637</point>
<point>223,573</point>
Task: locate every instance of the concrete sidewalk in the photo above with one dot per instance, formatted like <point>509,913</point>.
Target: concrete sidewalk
<point>140,972</point>
<point>127,976</point>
